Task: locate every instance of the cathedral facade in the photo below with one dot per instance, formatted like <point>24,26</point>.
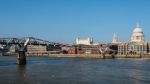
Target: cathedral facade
<point>137,45</point>
<point>137,35</point>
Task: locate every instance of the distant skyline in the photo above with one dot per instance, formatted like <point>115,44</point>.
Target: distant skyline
<point>65,20</point>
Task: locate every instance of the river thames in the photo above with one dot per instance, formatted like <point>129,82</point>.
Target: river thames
<point>45,70</point>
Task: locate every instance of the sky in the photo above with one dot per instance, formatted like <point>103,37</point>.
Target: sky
<point>65,20</point>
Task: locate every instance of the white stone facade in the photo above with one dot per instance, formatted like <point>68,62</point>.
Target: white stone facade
<point>138,35</point>
<point>87,41</point>
<point>137,46</point>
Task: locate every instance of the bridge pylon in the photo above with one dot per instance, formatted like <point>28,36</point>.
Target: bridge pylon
<point>21,58</point>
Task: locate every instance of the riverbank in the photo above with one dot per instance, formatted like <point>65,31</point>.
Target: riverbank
<point>99,56</point>
<point>91,56</point>
<point>68,55</point>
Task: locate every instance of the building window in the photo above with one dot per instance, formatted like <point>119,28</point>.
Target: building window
<point>137,37</point>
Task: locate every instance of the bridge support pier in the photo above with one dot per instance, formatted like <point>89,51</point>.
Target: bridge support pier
<point>21,58</point>
<point>102,55</point>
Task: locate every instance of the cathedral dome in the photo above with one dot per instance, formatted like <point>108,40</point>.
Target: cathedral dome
<point>137,30</point>
<point>137,35</point>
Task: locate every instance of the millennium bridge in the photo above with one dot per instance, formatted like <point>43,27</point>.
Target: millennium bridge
<point>19,45</point>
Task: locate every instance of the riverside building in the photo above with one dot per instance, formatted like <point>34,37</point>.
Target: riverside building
<point>137,45</point>
<point>88,41</point>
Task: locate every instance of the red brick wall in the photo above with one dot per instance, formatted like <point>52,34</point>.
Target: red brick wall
<point>72,50</point>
